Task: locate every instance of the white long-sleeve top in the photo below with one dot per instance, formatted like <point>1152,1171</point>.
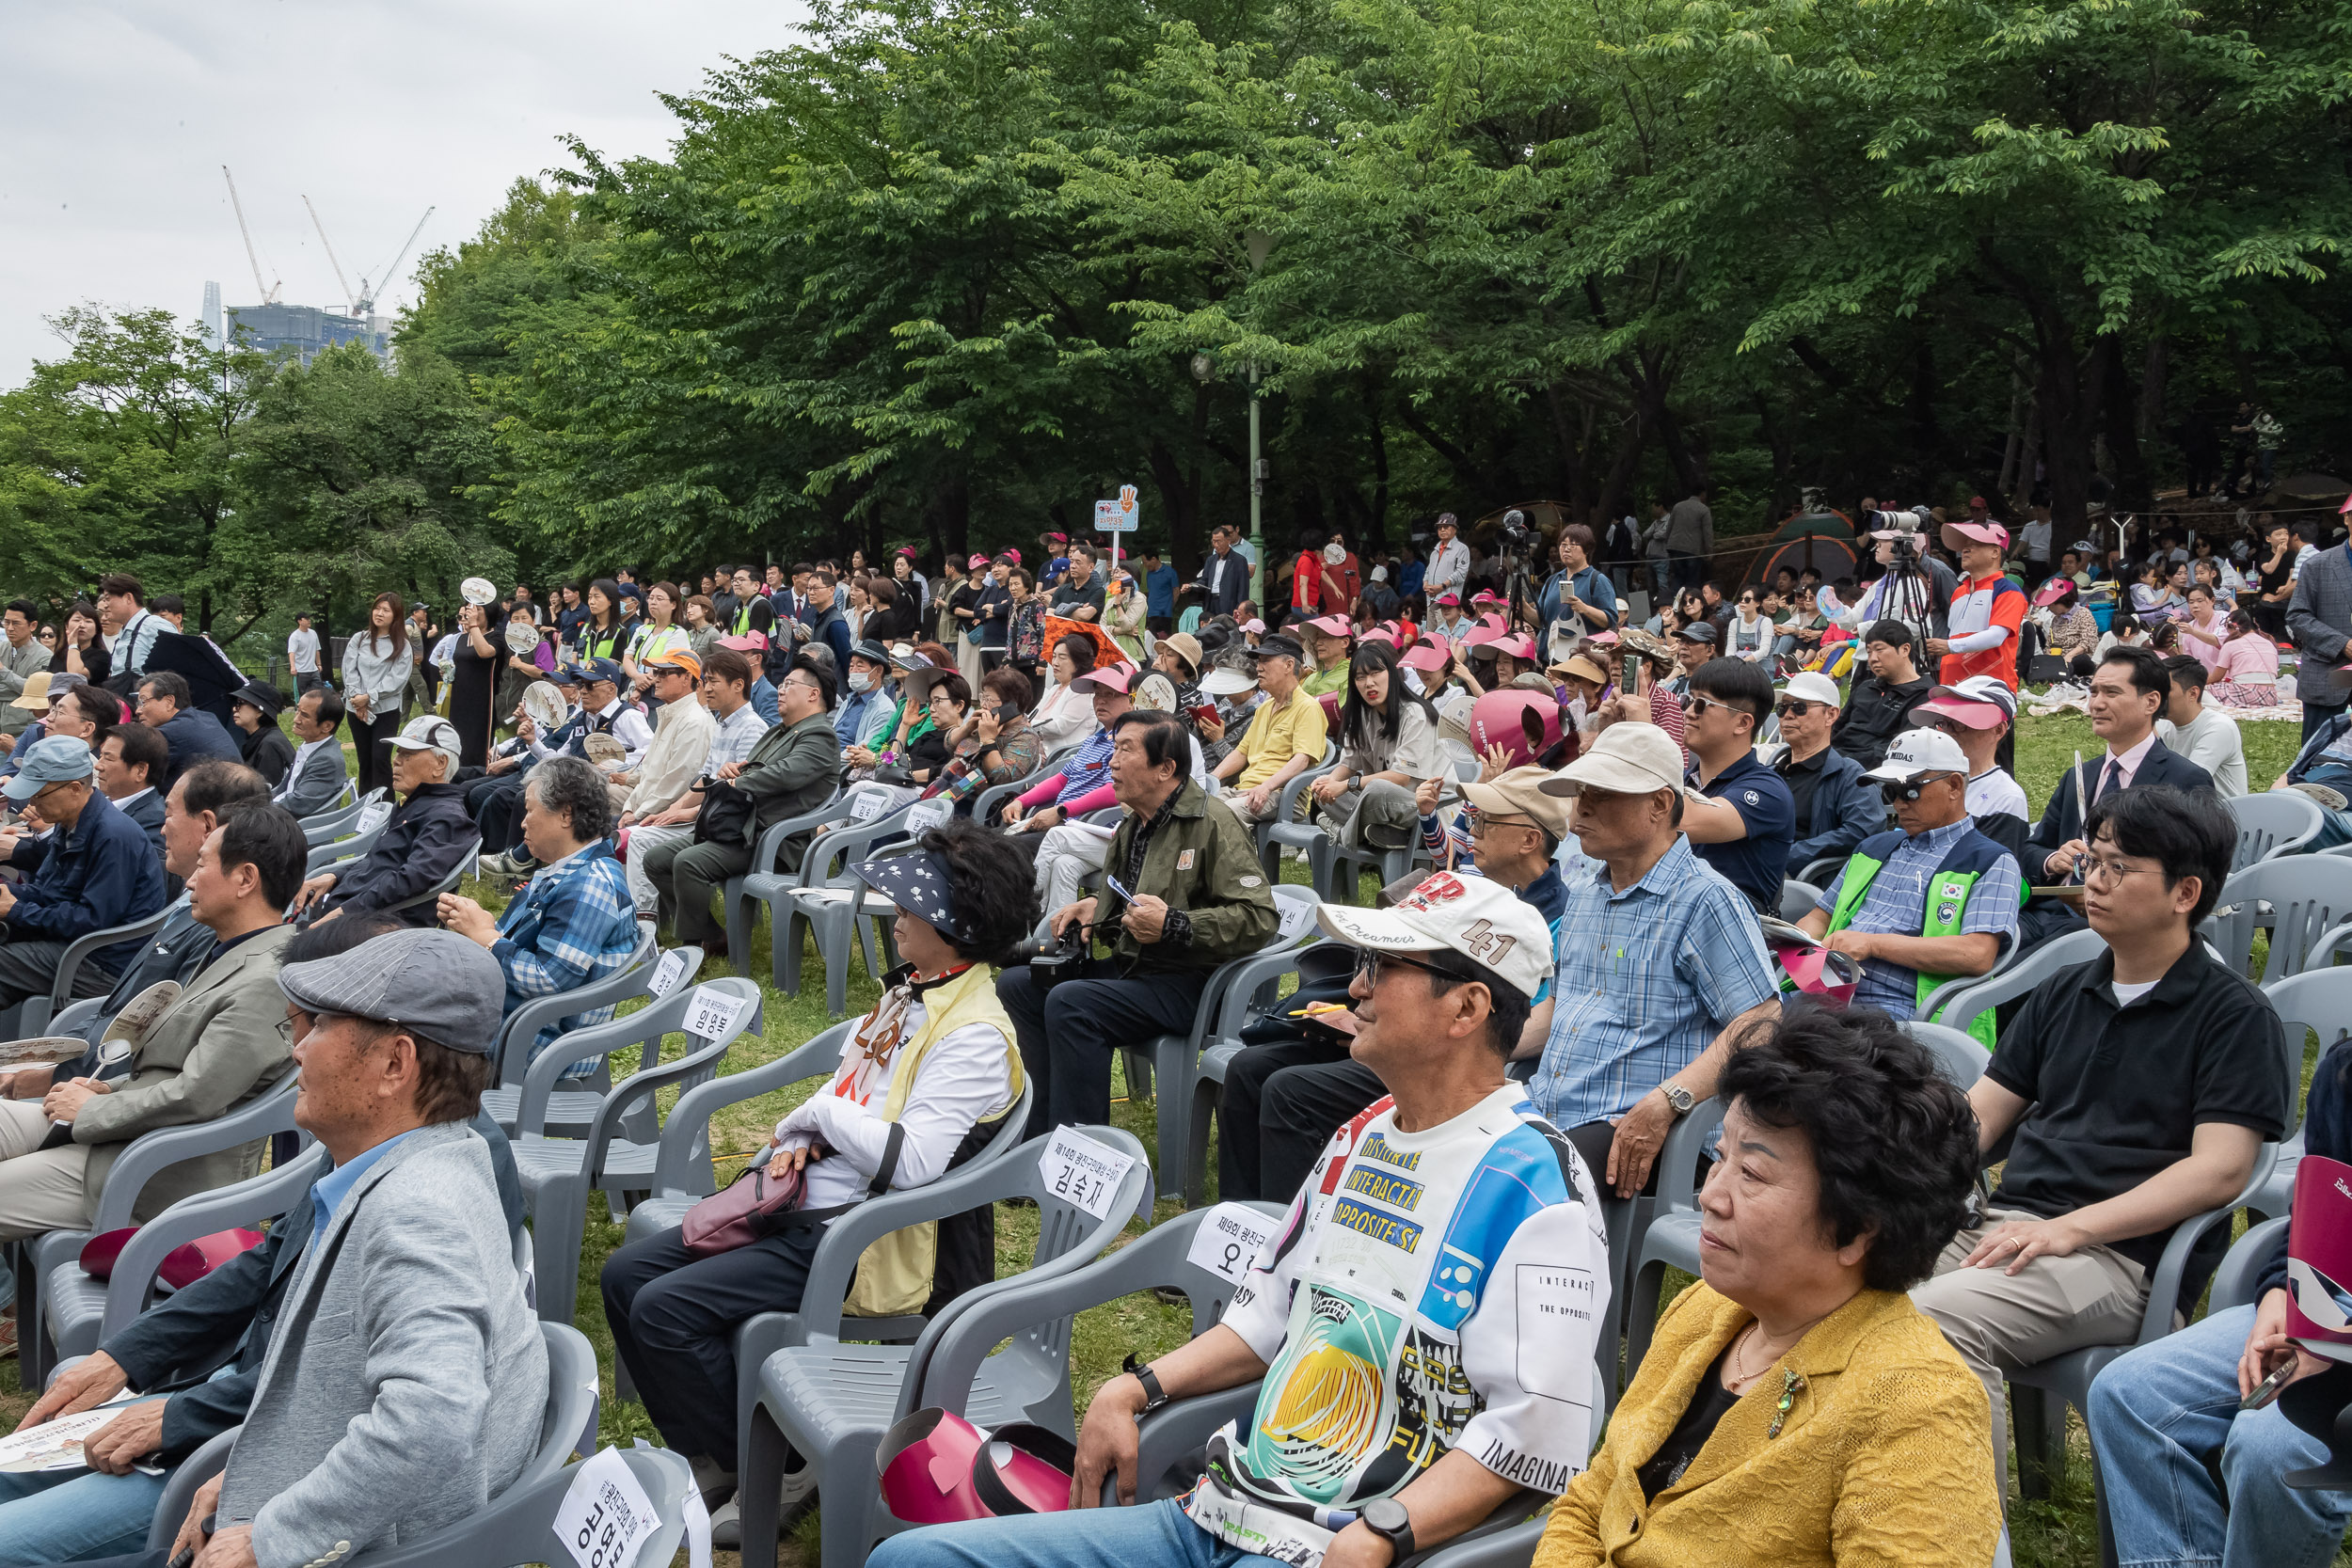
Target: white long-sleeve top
<point>374,666</point>
<point>681,739</point>
<point>963,1081</point>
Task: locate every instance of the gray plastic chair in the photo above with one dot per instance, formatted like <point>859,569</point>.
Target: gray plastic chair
<point>1285,809</point>
<point>735,898</point>
<point>34,1015</point>
<point>2319,1000</point>
<point>558,1174</point>
<point>2234,1282</point>
<point>1251,983</point>
<point>2300,900</point>
<point>458,873</point>
<point>516,1526</point>
<point>1672,1238</point>
<point>1174,1059</point>
<point>1932,1006</point>
<point>1957,1004</point>
<point>1824,871</point>
<point>59,1308</point>
<point>570,1111</point>
<point>324,826</point>
<point>1797,899</point>
<point>832,1401</point>
<point>2272,823</point>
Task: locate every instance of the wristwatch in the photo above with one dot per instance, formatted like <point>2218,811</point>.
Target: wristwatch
<point>1680,1099</point>
<point>1385,1517</point>
<point>1153,1395</point>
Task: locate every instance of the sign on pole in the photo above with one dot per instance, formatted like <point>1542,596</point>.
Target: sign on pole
<point>1116,517</point>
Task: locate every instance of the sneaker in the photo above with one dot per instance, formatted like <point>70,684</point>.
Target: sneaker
<point>799,1489</point>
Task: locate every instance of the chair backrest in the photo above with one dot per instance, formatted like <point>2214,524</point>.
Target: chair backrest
<point>1962,1007</point>
<point>568,1424</point>
<point>2319,1000</point>
<point>2275,822</point>
<point>2298,899</point>
<point>633,979</point>
<point>269,1112</point>
<point>1958,1057</point>
<point>646,1026</point>
<point>131,1286</point>
<point>1797,899</point>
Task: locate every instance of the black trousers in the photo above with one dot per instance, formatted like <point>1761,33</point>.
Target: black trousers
<point>374,758</point>
<point>673,1315</point>
<point>1279,1105</point>
<point>497,805</point>
<point>1066,1035</point>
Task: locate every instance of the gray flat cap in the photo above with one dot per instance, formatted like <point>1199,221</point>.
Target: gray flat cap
<point>436,983</point>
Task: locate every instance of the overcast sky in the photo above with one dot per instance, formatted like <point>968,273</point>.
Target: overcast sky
<point>115,119</point>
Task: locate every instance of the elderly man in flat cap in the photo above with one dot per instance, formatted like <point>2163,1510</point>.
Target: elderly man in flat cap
<point>405,1377</point>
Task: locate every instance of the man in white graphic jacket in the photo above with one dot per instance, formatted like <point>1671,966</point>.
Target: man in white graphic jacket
<point>1421,1327</point>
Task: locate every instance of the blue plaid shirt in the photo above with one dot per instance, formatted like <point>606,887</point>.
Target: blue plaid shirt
<point>1898,897</point>
<point>1647,978</point>
<point>1086,768</point>
<point>574,923</point>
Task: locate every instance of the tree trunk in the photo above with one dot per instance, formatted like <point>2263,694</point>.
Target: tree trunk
<point>2066,420</point>
<point>1378,530</point>
<point>2119,418</point>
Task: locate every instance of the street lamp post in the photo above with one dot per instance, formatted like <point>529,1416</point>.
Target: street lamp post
<point>1261,245</point>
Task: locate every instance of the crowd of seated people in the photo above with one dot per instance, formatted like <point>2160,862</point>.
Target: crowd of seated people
<point>1526,1023</point>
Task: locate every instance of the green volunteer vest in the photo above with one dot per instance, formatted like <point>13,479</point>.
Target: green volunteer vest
<point>1940,915</point>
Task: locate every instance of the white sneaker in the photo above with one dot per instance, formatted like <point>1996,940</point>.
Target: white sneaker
<point>799,1490</point>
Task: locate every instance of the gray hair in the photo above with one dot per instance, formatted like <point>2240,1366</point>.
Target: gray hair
<point>573,789</point>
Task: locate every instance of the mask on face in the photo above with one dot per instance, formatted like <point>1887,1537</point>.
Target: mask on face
<point>1335,553</point>
<point>861,683</point>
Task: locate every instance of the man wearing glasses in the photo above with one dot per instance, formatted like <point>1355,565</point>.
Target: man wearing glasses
<point>1835,807</point>
<point>100,872</point>
<point>791,770</point>
<point>1931,901</point>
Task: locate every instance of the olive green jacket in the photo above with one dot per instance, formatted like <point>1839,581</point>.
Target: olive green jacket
<point>1203,861</point>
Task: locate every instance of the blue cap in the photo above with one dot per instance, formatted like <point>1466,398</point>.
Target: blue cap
<point>917,883</point>
<point>57,759</point>
<point>563,674</point>
<point>602,670</point>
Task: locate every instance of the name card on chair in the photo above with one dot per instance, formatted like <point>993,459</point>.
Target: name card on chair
<point>927,814</point>
<point>605,1515</point>
<point>1081,1172</point>
<point>666,973</point>
<point>372,817</point>
<point>868,804</point>
<point>711,1013</point>
<point>1229,1240</point>
<point>1296,916</point>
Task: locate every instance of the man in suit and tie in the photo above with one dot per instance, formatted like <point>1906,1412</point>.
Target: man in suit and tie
<point>199,1352</point>
<point>2128,691</point>
<point>219,1045</point>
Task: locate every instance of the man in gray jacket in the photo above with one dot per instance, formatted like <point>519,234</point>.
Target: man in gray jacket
<point>405,1378</point>
<point>2319,616</point>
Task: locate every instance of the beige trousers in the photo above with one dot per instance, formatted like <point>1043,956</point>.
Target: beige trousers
<point>1999,1321</point>
<point>41,1189</point>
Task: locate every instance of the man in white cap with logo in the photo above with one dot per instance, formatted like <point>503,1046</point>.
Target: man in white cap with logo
<point>1988,613</point>
<point>1977,713</point>
<point>428,836</point>
<point>1441,1275</point>
<point>1660,963</point>
<point>1837,809</point>
<point>1931,901</point>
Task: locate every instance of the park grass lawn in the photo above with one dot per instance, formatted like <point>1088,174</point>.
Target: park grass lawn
<point>2058,1534</point>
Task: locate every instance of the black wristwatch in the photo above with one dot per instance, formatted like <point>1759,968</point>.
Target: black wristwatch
<point>1153,1395</point>
<point>1385,1517</point>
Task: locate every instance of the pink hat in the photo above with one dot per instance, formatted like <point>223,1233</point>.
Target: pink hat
<point>1379,634</point>
<point>2340,511</point>
<point>1482,633</point>
<point>1106,677</point>
<point>1485,596</point>
<point>1494,621</point>
<point>975,562</point>
<point>1608,639</point>
<point>750,642</point>
<point>1449,596</point>
<point>1332,626</point>
<point>1253,624</point>
<point>1820,972</point>
<point>1956,534</point>
<point>907,551</point>
<point>1428,656</point>
<point>1015,556</point>
<point>1520,647</point>
<point>2052,591</point>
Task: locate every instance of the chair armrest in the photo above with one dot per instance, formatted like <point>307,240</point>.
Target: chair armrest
<point>181,1486</point>
<point>447,885</point>
<point>988,799</point>
<point>1287,801</point>
<point>641,1087</point>
<point>523,1024</point>
<point>2234,1282</point>
<point>151,1152</point>
<point>1233,986</point>
<point>241,1203</point>
<point>81,948</point>
<point>2164,1285</point>
<point>674,1173</point>
<point>2331,941</point>
<point>1507,1539</point>
<point>1176,1430</point>
<point>1958,983</point>
<point>771,842</point>
<point>1684,1143</point>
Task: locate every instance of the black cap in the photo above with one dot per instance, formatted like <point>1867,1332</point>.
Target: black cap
<point>1278,645</point>
<point>1697,631</point>
<point>259,694</point>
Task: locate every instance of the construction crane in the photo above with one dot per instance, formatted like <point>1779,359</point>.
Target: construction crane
<point>269,291</point>
<point>341,281</point>
<point>366,301</point>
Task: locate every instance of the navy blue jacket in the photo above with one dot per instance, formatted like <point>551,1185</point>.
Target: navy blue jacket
<point>424,839</point>
<point>224,1319</point>
<point>105,873</point>
<point>190,738</point>
<point>1847,809</point>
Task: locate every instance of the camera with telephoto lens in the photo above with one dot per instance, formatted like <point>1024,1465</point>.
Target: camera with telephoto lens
<point>1515,536</point>
<point>1052,959</point>
<point>1899,530</point>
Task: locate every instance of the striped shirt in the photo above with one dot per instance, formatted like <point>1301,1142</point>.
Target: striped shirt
<point>739,731</point>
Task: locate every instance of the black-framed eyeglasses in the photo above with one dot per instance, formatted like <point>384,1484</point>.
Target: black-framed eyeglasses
<point>1368,964</point>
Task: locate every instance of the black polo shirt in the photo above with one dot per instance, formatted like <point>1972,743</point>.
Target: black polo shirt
<point>2119,1093</point>
<point>1754,864</point>
<point>1802,778</point>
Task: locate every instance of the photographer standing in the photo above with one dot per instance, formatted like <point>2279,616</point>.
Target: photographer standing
<point>1184,893</point>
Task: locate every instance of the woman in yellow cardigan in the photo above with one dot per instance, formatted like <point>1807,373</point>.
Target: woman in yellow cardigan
<point>1795,1407</point>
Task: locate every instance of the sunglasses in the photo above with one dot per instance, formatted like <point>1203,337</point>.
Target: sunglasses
<point>1369,963</point>
<point>1797,708</point>
<point>1913,788</point>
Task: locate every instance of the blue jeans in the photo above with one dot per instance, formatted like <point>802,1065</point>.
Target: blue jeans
<point>2161,1415</point>
<point>65,1515</point>
<point>1155,1535</point>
